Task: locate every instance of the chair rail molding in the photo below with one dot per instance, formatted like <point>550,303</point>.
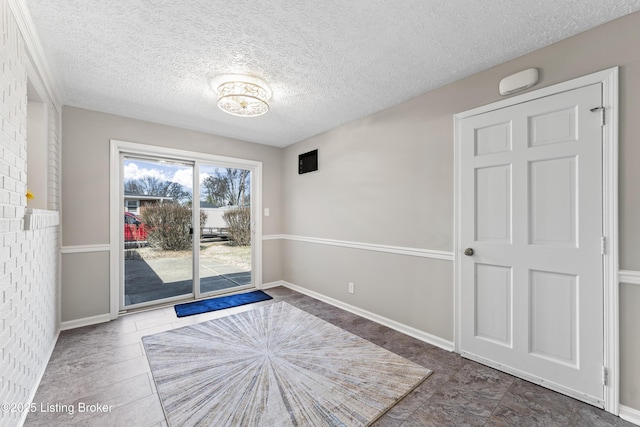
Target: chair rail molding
<point>629,277</point>
<point>81,249</point>
<point>400,250</point>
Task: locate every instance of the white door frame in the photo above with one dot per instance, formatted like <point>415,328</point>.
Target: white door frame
<point>116,264</point>
<point>609,80</point>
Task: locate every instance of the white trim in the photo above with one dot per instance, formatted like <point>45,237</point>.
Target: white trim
<point>589,79</point>
<point>81,249</point>
<point>609,80</point>
<point>272,284</point>
<point>195,224</point>
<point>43,369</point>
<point>116,268</point>
<point>85,321</point>
<point>141,149</point>
<point>400,250</point>
<point>400,327</point>
<point>273,237</point>
<point>35,51</point>
<point>630,414</point>
<point>119,148</point>
<point>629,277</point>
<point>58,204</point>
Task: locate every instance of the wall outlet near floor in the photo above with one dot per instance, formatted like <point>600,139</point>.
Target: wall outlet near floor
<point>351,288</point>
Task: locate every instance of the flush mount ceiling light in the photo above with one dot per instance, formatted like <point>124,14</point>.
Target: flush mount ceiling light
<point>244,96</point>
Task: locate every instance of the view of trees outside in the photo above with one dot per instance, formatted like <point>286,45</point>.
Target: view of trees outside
<point>154,186</point>
<point>159,198</point>
<point>219,187</point>
<point>227,187</point>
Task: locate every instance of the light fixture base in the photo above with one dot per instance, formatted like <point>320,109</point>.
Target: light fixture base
<point>244,97</point>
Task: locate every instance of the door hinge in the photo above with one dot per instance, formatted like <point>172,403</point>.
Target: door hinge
<point>605,376</point>
<point>603,245</point>
<point>601,110</point>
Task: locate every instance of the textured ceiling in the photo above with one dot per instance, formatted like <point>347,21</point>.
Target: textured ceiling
<point>327,62</point>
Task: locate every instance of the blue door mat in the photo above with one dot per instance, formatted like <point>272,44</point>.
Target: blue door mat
<point>219,303</point>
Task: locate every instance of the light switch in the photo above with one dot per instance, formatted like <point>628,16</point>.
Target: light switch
<point>266,211</point>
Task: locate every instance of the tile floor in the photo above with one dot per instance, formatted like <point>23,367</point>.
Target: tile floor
<point>105,364</point>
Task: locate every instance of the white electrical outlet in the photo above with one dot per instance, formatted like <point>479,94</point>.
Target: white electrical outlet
<point>351,288</point>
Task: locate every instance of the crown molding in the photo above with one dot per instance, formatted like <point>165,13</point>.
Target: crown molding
<point>34,50</point>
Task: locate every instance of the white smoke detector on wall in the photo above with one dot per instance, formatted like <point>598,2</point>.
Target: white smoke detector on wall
<point>519,81</point>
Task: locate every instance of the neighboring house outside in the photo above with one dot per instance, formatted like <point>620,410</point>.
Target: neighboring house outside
<point>215,224</point>
<point>214,216</point>
<point>133,202</point>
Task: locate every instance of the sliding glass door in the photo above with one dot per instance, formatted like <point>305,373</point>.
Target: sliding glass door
<point>186,231</point>
<point>226,234</point>
<point>158,241</point>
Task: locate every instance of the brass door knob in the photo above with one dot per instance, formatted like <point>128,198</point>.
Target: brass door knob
<point>468,252</point>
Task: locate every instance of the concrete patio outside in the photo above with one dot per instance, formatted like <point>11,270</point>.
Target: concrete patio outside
<point>150,279</point>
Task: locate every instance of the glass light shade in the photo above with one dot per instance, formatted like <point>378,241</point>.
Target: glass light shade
<point>243,99</point>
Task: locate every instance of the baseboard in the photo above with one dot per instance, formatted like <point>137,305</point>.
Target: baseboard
<point>86,321</point>
<point>32,396</point>
<point>400,327</point>
<point>629,414</point>
<point>272,284</point>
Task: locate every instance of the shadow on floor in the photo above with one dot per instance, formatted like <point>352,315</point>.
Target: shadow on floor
<point>143,284</point>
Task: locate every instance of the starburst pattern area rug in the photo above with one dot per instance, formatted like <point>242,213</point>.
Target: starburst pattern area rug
<point>275,365</point>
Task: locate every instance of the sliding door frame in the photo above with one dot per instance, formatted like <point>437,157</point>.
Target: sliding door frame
<point>197,290</point>
<point>116,256</point>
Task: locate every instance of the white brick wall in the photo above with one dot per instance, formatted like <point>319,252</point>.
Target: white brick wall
<point>29,260</point>
<point>54,160</point>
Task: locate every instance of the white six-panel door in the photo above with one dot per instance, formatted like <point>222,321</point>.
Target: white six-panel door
<point>531,216</point>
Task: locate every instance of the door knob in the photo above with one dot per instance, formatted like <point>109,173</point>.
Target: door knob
<point>468,252</point>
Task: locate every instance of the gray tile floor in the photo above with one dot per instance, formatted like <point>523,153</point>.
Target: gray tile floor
<point>105,364</point>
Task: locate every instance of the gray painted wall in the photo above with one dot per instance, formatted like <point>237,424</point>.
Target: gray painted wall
<point>85,285</point>
<point>388,179</point>
<point>85,197</point>
<point>410,290</point>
